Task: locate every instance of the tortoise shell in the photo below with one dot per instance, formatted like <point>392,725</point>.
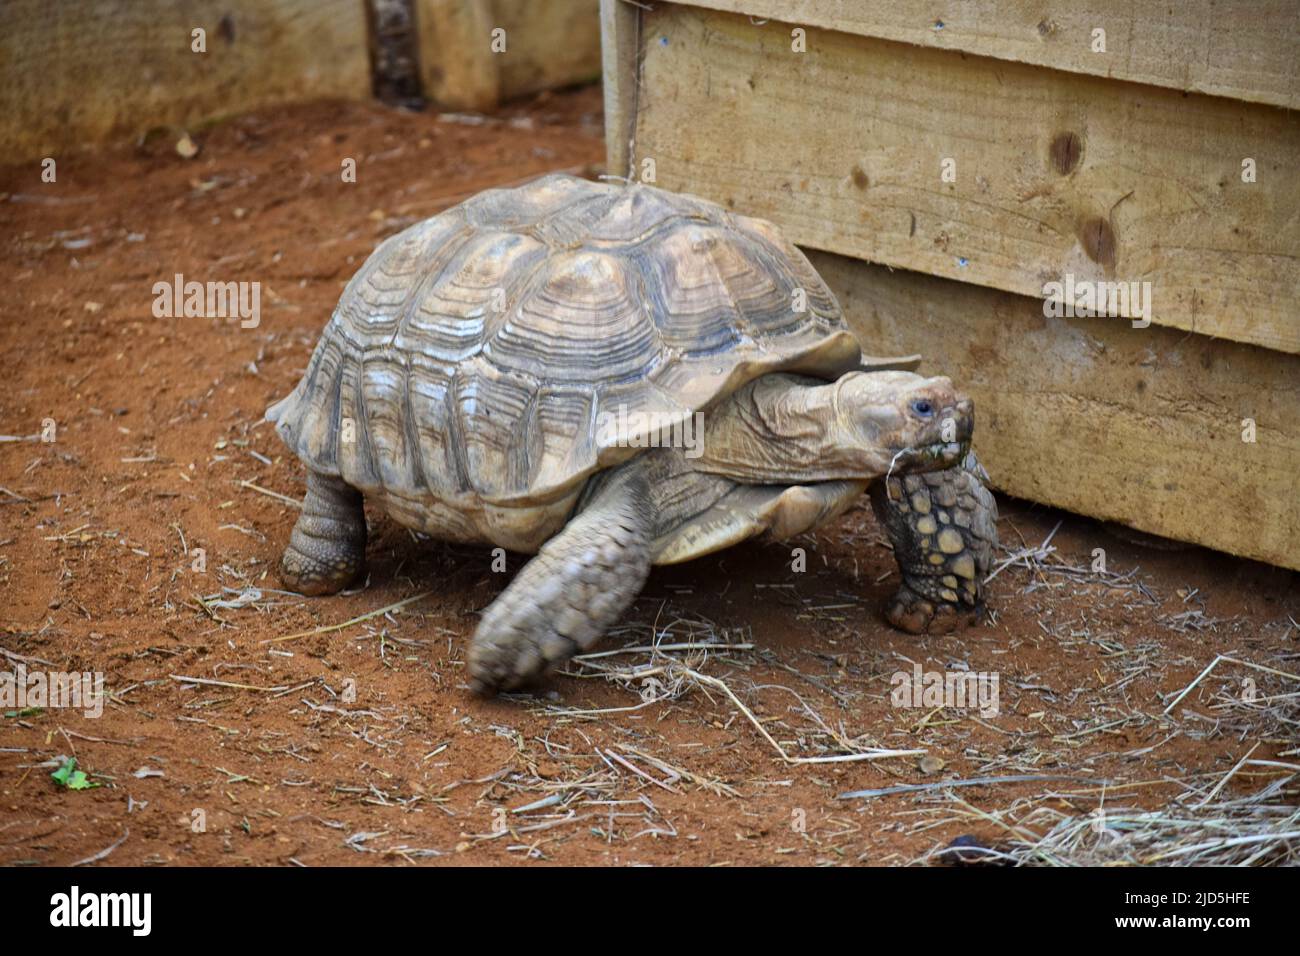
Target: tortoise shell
<point>468,363</point>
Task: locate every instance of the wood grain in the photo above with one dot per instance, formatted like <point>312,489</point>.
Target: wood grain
<point>1247,50</point>
<point>1056,174</point>
<point>77,72</point>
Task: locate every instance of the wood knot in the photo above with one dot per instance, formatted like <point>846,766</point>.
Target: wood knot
<point>1066,150</point>
<point>859,177</point>
<point>1099,241</point>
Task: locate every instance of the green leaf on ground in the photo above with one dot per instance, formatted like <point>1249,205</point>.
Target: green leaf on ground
<point>70,778</point>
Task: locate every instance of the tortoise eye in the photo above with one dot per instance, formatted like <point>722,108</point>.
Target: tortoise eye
<point>923,407</point>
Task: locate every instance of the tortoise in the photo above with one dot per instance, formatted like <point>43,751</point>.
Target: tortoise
<point>612,377</point>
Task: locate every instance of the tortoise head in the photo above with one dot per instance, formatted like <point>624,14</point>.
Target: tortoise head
<point>915,423</point>
<point>784,428</point>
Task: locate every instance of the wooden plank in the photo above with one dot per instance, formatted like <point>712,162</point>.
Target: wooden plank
<point>1057,175</point>
<point>620,29</point>
<point>1138,426</point>
<point>78,72</point>
<point>458,69</point>
<point>546,45</point>
<point>1247,50</point>
<point>550,44</point>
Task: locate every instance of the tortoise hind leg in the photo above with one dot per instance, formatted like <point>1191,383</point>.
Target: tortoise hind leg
<point>327,549</point>
<point>577,585</point>
<point>942,526</point>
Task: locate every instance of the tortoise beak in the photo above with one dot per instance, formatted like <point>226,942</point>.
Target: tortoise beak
<point>951,444</point>
<point>965,409</point>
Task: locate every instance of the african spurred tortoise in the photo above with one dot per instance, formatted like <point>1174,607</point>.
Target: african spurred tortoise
<point>504,373</point>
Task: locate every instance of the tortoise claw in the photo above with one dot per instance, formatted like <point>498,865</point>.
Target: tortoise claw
<point>916,614</point>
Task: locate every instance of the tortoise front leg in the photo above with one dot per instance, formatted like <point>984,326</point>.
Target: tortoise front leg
<point>565,598</point>
<point>327,550</point>
<point>943,528</point>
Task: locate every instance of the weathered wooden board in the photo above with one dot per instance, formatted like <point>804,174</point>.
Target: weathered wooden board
<point>1056,174</point>
<point>1247,50</point>
<point>545,45</point>
<point>551,44</point>
<point>1143,427</point>
<point>458,69</point>
<point>78,72</point>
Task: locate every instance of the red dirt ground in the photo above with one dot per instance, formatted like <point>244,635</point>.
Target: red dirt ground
<point>159,426</point>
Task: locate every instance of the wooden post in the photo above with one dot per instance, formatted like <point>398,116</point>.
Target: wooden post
<point>620,27</point>
<point>457,67</point>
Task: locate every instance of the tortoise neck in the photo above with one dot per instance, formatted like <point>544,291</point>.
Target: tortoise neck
<point>787,429</point>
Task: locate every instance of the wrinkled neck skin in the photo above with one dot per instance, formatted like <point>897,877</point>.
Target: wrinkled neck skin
<point>789,429</point>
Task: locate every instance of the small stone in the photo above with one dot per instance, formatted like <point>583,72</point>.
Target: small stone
<point>931,764</point>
